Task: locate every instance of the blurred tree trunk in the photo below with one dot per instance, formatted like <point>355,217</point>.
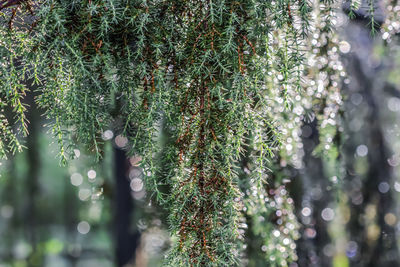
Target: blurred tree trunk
<point>32,175</point>
<point>126,241</point>
<point>10,202</point>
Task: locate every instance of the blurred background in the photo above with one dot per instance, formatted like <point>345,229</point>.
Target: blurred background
<point>343,205</point>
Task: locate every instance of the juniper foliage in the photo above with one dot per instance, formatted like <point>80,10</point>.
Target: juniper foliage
<point>219,75</point>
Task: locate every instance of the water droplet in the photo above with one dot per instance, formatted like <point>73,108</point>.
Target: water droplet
<point>276,233</point>
<point>344,47</point>
<point>108,134</point>
<point>306,211</point>
<point>84,194</point>
<point>77,153</point>
<point>91,174</point>
<point>327,214</point>
<point>390,219</point>
<point>76,179</point>
<point>362,150</point>
<point>83,227</point>
<point>121,141</point>
<point>383,187</point>
<point>136,184</point>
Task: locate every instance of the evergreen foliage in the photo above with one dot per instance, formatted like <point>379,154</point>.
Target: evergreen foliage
<point>224,78</point>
